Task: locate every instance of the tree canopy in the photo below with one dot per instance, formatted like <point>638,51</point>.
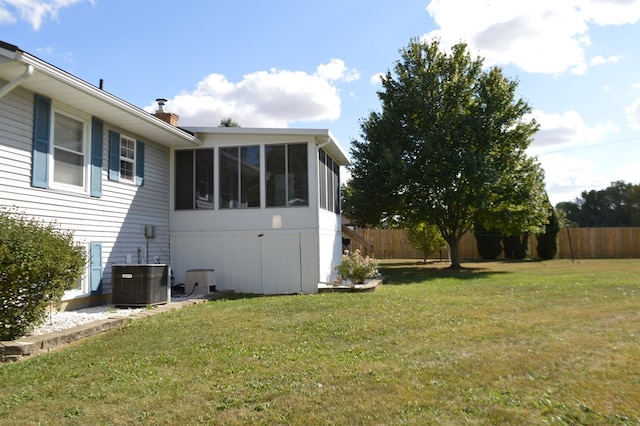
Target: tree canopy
<point>228,122</point>
<point>447,148</point>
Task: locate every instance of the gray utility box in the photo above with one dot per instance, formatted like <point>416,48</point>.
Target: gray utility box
<point>140,285</point>
<point>199,281</point>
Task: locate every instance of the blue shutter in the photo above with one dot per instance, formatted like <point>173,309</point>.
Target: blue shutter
<point>97,128</point>
<point>114,155</point>
<point>139,163</point>
<point>41,137</point>
<point>95,274</point>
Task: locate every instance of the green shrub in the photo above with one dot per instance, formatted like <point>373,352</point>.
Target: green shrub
<point>38,262</point>
<point>488,243</point>
<point>547,247</point>
<point>426,238</point>
<point>516,247</point>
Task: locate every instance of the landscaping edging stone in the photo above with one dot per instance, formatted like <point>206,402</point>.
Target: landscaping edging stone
<point>370,286</point>
<point>26,347</point>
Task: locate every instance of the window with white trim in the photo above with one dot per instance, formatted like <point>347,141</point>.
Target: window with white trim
<point>69,159</point>
<point>81,287</point>
<point>127,158</point>
<point>67,152</point>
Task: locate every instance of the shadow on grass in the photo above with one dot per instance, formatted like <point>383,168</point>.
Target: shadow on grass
<point>414,272</point>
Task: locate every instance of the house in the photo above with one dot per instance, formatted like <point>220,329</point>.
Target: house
<point>260,206</point>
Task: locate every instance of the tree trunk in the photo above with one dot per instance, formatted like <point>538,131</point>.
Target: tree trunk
<point>455,252</point>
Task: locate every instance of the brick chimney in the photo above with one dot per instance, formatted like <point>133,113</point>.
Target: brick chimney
<point>165,116</point>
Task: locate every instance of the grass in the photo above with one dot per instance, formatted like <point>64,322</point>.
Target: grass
<point>498,343</point>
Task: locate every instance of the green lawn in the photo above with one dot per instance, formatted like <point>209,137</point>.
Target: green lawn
<point>499,343</point>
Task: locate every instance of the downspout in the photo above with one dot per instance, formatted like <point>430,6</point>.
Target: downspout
<point>16,81</point>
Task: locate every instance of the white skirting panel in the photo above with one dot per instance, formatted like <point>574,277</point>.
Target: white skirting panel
<point>262,263</point>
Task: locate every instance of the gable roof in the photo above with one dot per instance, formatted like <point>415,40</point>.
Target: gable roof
<point>21,68</point>
<point>323,137</point>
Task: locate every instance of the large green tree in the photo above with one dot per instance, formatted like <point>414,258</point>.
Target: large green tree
<point>448,148</point>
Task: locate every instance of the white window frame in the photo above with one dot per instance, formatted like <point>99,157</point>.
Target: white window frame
<point>125,159</point>
<point>84,289</point>
<point>84,120</point>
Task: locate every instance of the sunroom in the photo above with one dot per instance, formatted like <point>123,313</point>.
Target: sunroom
<point>260,207</point>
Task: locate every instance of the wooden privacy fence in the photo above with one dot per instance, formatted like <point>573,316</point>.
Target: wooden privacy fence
<point>578,243</point>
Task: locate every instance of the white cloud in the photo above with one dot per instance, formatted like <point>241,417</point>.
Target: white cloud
<point>337,70</point>
<point>33,11</point>
<point>567,130</point>
<point>6,17</point>
<point>633,114</point>
<point>377,78</point>
<point>629,172</point>
<point>601,60</point>
<point>274,98</point>
<point>611,12</point>
<point>569,169</point>
<point>545,36</point>
<point>566,177</point>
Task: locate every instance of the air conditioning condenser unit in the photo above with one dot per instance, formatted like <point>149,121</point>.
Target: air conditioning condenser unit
<point>140,285</point>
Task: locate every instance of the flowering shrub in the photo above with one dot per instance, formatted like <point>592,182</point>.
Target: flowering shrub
<point>357,268</point>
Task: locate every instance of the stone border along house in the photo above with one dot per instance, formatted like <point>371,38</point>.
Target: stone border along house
<point>260,206</point>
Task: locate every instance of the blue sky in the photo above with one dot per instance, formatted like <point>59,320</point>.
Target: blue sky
<point>288,63</point>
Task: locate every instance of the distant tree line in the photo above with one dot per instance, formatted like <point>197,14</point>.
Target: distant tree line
<point>616,206</point>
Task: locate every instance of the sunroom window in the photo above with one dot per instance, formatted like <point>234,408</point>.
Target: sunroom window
<point>287,175</point>
<point>329,179</point>
<point>239,177</point>
<point>194,179</point>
